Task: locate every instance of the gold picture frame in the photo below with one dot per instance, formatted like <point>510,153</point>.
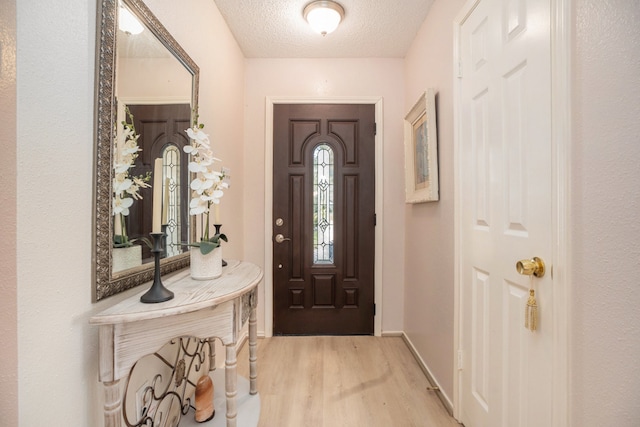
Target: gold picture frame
<point>421,151</point>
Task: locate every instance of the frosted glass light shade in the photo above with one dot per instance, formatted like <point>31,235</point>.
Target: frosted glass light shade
<point>323,16</point>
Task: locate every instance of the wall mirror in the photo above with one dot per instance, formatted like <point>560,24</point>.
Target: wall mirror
<point>144,78</point>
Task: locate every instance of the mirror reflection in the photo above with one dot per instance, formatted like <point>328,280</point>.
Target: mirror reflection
<point>153,99</point>
<point>146,91</point>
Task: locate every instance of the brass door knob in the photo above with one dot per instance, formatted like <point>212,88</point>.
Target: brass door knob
<point>528,267</point>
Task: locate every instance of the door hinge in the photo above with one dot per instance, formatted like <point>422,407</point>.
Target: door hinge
<point>375,128</point>
<point>459,69</point>
<point>375,219</point>
<point>374,309</point>
<point>460,365</point>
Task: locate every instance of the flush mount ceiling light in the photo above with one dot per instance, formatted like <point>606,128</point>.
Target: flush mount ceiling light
<point>128,23</point>
<point>323,16</point>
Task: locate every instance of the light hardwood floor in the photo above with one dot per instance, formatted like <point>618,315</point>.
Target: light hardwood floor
<point>352,381</point>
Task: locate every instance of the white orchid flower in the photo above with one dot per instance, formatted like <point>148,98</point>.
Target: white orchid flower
<point>198,135</point>
<point>211,195</point>
<point>215,196</point>
<point>207,186</point>
<point>120,168</point>
<point>129,149</point>
<point>121,206</point>
<point>197,206</point>
<point>211,174</point>
<point>190,149</point>
<point>128,132</point>
<point>123,185</point>
<point>200,185</point>
<point>197,167</point>
<point>206,160</point>
<point>126,188</point>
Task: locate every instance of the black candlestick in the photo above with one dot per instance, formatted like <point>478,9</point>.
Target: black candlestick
<point>164,240</point>
<point>157,292</point>
<point>218,227</point>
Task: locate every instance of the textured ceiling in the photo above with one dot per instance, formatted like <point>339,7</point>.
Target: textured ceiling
<point>370,28</point>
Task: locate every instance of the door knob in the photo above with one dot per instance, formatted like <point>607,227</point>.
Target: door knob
<point>528,267</point>
<point>280,238</point>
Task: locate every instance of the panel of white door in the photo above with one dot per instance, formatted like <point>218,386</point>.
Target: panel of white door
<point>505,212</point>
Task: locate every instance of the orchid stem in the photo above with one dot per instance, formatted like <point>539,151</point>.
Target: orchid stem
<point>206,227</point>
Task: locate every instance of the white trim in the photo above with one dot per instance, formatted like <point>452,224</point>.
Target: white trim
<point>242,340</point>
<point>268,194</point>
<point>457,379</point>
<point>464,13</point>
<point>268,218</point>
<point>561,45</point>
<point>392,333</point>
<point>446,401</point>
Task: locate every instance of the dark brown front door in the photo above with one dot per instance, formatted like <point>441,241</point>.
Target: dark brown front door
<point>161,126</point>
<point>323,213</point>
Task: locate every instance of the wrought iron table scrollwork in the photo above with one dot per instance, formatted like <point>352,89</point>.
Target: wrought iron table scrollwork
<point>170,392</point>
<point>200,312</point>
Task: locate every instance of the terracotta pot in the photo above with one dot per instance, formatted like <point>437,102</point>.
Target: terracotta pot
<point>206,267</point>
<point>204,399</point>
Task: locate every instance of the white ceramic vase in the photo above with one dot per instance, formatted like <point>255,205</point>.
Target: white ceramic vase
<point>126,258</point>
<point>206,267</point>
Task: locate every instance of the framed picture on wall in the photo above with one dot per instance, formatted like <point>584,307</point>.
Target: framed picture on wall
<point>421,151</point>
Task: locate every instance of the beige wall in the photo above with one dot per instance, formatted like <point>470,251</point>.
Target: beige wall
<point>324,78</point>
<point>221,97</point>
<point>428,308</point>
<point>605,224</point>
<point>56,40</point>
<point>8,211</point>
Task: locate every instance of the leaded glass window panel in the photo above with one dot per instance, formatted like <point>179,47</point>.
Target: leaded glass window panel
<point>323,204</point>
<point>171,187</point>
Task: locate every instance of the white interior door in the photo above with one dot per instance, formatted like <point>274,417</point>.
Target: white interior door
<point>505,214</point>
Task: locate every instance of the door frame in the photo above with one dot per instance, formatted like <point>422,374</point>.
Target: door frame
<point>268,214</point>
<point>560,49</point>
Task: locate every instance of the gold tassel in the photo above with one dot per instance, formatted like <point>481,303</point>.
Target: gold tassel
<point>531,312</point>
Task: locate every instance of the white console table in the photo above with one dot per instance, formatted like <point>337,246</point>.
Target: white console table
<point>208,309</point>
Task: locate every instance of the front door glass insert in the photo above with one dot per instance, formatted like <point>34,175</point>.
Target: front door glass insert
<point>323,204</point>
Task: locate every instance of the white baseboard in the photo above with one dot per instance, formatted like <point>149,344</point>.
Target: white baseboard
<point>425,369</point>
<point>392,333</point>
<point>244,338</point>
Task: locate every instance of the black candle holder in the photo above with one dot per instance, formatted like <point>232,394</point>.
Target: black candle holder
<point>164,240</point>
<point>218,227</point>
<point>157,292</point>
